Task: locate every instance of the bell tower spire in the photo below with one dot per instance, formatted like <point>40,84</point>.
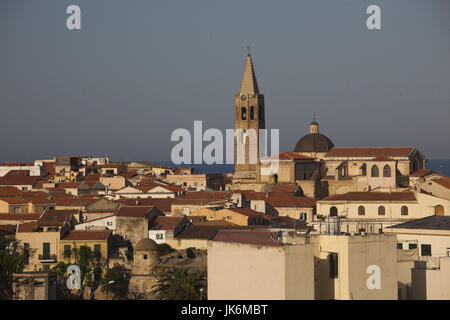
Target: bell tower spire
<point>249,83</point>
<point>249,116</point>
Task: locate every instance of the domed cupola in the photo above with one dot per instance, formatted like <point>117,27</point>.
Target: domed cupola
<point>314,141</point>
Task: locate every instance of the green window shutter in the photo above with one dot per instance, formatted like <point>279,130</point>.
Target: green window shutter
<point>97,250</point>
<point>46,250</point>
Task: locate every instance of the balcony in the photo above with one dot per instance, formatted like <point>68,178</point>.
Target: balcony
<point>47,258</point>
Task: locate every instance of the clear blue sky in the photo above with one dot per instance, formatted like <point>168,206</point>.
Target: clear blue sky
<point>139,69</point>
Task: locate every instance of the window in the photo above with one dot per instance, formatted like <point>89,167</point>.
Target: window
<point>333,211</point>
<point>67,251</point>
<point>46,267</point>
<point>145,257</point>
<point>252,113</point>
<point>46,250</point>
<point>361,211</point>
<point>26,247</point>
<point>97,250</point>
<point>109,223</point>
<point>16,209</point>
<point>229,217</point>
<point>412,246</point>
<point>374,171</point>
<point>404,211</point>
<point>159,236</point>
<point>381,211</point>
<point>439,210</point>
<point>426,250</point>
<point>243,113</point>
<point>364,169</point>
<point>400,245</point>
<point>333,261</point>
<point>386,171</point>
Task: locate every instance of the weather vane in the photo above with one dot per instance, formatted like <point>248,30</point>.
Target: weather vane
<point>248,50</point>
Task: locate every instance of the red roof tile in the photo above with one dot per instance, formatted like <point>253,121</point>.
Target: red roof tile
<point>87,235</point>
<point>248,237</point>
<point>165,223</point>
<point>443,182</point>
<point>372,196</point>
<point>134,211</point>
<point>8,228</point>
<point>370,152</point>
<point>27,227</point>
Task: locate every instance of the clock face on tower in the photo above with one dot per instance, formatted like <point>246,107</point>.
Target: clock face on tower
<point>243,97</point>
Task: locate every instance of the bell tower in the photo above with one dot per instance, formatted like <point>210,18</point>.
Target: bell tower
<point>248,114</point>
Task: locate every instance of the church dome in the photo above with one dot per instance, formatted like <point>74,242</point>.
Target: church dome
<point>146,245</point>
<point>314,142</point>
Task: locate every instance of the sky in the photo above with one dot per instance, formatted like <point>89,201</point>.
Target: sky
<point>139,69</point>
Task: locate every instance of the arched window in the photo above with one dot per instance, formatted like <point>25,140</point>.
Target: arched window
<point>381,211</point>
<point>364,169</point>
<point>386,171</point>
<point>439,210</point>
<point>333,212</point>
<point>374,171</point>
<point>252,113</point>
<point>361,211</point>
<point>243,113</point>
<point>404,211</point>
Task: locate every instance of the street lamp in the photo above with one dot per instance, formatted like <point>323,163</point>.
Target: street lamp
<point>107,291</point>
<point>201,293</point>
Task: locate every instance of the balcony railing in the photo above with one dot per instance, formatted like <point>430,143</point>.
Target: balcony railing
<point>47,257</point>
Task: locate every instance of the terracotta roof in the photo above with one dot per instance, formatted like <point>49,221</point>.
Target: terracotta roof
<point>208,195</point>
<point>17,164</point>
<point>289,156</point>
<point>260,238</point>
<point>246,211</point>
<point>165,223</point>
<point>280,199</point>
<point>290,201</point>
<point>10,180</point>
<point>19,216</point>
<point>370,152</point>
<point>134,211</point>
<point>372,196</point>
<point>443,182</point>
<point>284,188</point>
<point>8,228</point>
<point>421,173</point>
<point>13,200</point>
<point>87,235</point>
<point>10,191</point>
<point>382,158</point>
<point>163,204</point>
<point>215,223</point>
<point>27,227</point>
<point>56,217</point>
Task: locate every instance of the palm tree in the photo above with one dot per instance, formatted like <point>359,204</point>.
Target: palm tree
<point>178,284</point>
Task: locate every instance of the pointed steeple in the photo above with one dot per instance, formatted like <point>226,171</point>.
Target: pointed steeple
<point>249,84</point>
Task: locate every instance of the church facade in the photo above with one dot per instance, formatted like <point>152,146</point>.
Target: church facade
<point>315,164</point>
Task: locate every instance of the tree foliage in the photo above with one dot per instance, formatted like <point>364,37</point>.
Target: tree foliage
<point>116,280</point>
<point>178,284</point>
<point>12,260</point>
